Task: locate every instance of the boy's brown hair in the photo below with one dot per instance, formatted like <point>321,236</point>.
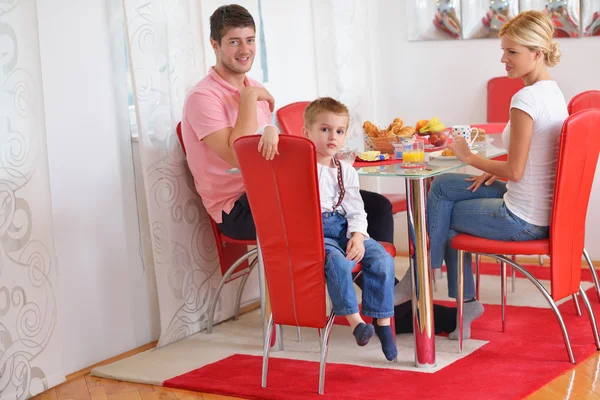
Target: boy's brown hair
<point>324,104</point>
<point>227,17</point>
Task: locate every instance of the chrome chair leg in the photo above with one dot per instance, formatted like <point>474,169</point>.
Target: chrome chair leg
<point>587,304</point>
<point>299,335</point>
<point>324,348</point>
<point>576,302</point>
<point>513,276</point>
<point>238,297</point>
<point>477,276</point>
<point>266,348</point>
<point>548,298</point>
<point>213,302</point>
<point>460,301</point>
<point>593,271</point>
<point>503,293</point>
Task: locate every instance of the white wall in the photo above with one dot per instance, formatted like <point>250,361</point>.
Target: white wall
<point>108,302</point>
<point>419,80</point>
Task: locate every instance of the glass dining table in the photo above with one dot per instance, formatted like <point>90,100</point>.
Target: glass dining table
<point>416,183</point>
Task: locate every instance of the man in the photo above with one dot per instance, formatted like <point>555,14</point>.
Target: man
<point>226,105</point>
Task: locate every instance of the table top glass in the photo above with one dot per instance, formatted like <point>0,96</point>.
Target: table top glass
<point>434,167</point>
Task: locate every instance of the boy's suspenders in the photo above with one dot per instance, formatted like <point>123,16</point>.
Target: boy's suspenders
<point>340,183</point>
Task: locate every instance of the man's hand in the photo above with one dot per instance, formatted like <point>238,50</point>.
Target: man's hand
<point>486,178</point>
<point>261,94</point>
<point>355,249</point>
<point>268,143</point>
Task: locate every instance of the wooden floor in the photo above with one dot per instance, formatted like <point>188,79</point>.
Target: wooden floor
<point>579,383</point>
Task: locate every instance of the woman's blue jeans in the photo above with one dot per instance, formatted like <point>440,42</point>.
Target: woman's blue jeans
<point>452,209</point>
<point>377,270</point>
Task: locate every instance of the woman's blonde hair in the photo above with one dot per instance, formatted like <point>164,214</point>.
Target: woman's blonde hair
<point>534,30</point>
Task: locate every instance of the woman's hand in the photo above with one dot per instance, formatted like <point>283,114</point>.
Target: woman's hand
<point>484,178</point>
<point>355,249</point>
<point>460,149</point>
<point>268,143</point>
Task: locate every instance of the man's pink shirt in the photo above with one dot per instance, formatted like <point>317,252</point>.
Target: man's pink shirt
<point>212,105</point>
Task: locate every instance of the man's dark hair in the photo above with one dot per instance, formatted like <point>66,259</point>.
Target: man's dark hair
<point>227,17</point>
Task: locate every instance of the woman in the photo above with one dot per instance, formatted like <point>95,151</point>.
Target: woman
<point>520,209</point>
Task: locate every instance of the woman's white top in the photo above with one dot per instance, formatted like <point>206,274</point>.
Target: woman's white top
<point>531,198</point>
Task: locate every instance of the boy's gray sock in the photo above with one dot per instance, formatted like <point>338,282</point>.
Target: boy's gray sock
<point>471,311</point>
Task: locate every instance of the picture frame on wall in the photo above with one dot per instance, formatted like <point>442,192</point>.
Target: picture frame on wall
<point>565,15</point>
<point>590,17</point>
<point>484,18</point>
<point>434,20</point>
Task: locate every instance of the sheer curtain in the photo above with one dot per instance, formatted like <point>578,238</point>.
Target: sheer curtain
<point>165,43</point>
<point>30,339</point>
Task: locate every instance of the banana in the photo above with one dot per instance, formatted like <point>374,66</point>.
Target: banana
<point>437,128</point>
<point>433,125</point>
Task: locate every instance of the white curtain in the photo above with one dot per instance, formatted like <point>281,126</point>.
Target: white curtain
<point>30,340</point>
<point>343,41</point>
<point>166,50</point>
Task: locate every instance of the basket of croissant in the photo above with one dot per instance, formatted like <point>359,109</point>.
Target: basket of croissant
<point>383,139</point>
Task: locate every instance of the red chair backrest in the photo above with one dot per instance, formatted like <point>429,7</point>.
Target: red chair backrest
<point>576,166</point>
<point>287,215</point>
<point>180,136</point>
<point>499,93</point>
<point>584,100</point>
<point>291,118</point>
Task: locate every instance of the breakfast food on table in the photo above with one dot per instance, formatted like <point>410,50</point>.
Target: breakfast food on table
<point>480,137</point>
<point>373,155</point>
<point>431,126</point>
<point>448,153</point>
<point>438,139</point>
<point>406,132</point>
<point>383,139</point>
<point>371,129</point>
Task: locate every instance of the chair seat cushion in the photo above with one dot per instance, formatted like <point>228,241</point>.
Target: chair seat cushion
<point>398,202</point>
<point>474,244</point>
<point>227,239</point>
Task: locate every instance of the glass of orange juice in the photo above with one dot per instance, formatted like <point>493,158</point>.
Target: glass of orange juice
<point>413,154</point>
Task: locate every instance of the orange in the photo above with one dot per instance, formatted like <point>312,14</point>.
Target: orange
<point>421,123</point>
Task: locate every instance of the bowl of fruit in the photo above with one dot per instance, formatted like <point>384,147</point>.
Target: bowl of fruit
<point>436,133</point>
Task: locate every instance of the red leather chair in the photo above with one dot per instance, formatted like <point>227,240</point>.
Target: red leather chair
<point>499,94</point>
<point>584,101</point>
<point>233,259</point>
<point>291,120</point>
<point>290,232</point>
<point>578,156</point>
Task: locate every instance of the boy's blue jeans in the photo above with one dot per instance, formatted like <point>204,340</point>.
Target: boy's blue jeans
<point>377,269</point>
<point>452,209</point>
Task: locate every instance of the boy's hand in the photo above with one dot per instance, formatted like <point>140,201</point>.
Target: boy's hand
<point>355,249</point>
<point>268,143</point>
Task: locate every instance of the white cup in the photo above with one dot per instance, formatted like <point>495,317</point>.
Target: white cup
<point>465,132</point>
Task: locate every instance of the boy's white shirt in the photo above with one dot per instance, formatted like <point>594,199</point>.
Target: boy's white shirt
<point>352,206</point>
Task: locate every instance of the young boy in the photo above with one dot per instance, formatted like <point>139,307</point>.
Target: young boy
<point>345,227</point>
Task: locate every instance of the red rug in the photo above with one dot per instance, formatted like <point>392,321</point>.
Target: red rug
<point>512,365</point>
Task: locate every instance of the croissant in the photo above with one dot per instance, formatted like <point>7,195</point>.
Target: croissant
<point>371,129</point>
<point>407,131</point>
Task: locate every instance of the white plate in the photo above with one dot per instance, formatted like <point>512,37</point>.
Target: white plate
<point>439,156</point>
